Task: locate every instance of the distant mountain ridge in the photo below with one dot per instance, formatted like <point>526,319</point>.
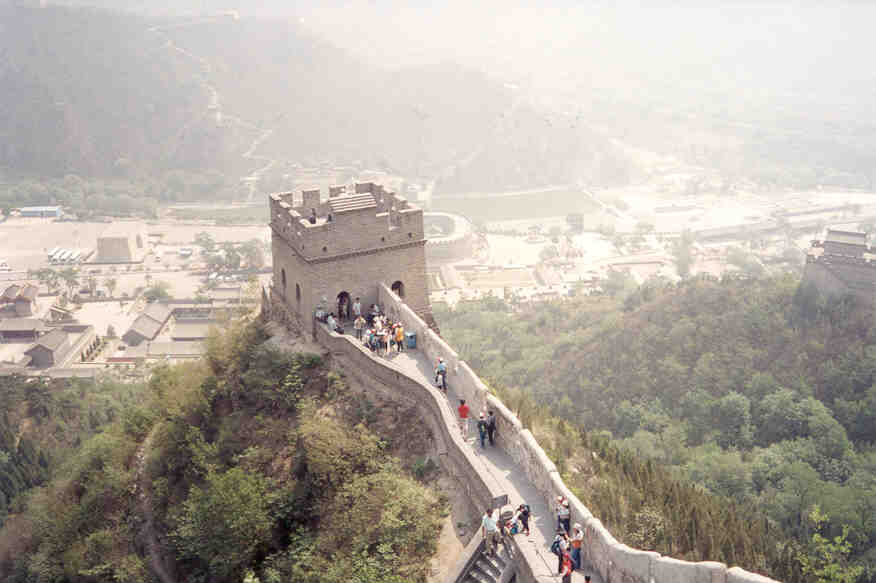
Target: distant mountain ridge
<point>89,92</point>
<point>99,93</point>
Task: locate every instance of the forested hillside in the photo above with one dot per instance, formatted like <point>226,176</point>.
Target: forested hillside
<point>96,93</point>
<point>758,391</point>
<point>255,464</point>
<point>43,421</point>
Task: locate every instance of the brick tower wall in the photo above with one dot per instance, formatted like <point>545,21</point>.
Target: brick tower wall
<point>383,242</point>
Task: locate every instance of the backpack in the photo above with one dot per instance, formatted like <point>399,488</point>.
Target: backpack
<point>555,547</point>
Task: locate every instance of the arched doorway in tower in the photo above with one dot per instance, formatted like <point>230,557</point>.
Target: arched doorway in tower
<point>398,288</point>
<point>297,297</point>
<point>343,306</point>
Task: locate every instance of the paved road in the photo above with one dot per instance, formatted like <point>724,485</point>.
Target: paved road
<point>511,478</point>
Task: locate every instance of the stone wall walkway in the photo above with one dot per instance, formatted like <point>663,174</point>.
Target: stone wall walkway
<point>509,478</point>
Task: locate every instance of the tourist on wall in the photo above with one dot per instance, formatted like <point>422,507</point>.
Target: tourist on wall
<point>563,513</point>
<point>577,542</point>
<point>358,326</point>
<point>566,568</point>
<point>463,418</point>
<point>521,515</point>
<point>357,308</point>
<point>399,337</point>
<point>387,338</point>
<point>490,532</point>
<point>482,429</point>
<point>441,376</point>
<point>560,547</point>
<point>491,427</point>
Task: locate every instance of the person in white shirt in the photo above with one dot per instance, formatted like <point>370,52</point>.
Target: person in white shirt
<point>490,532</point>
<point>357,308</point>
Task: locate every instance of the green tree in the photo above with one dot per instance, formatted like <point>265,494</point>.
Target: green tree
<point>232,256</point>
<point>69,276</point>
<point>827,559</point>
<point>159,291</point>
<point>225,522</point>
<point>252,253</point>
<point>49,277</point>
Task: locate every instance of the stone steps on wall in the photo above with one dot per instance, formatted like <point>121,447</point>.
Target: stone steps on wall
<point>486,569</point>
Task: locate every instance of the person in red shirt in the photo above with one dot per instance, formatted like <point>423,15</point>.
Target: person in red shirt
<point>567,568</point>
<point>463,418</point>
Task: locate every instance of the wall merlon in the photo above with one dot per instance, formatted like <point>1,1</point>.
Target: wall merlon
<point>669,569</point>
<point>738,575</point>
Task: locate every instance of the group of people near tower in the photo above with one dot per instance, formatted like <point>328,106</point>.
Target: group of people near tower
<point>375,329</point>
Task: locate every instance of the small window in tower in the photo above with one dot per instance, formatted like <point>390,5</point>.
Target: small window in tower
<point>324,249</point>
<point>383,239</point>
<point>283,279</point>
<point>410,235</point>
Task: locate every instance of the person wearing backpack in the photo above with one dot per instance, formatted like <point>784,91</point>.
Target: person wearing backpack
<point>523,515</point>
<point>559,547</point>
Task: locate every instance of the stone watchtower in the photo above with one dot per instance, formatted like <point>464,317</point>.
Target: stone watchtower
<point>340,249</point>
<point>842,264</point>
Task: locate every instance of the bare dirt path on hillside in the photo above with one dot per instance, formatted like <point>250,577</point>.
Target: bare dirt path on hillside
<point>215,110</point>
<point>148,534</point>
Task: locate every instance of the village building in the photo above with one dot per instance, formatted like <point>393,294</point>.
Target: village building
<point>19,300</point>
<point>122,242</point>
<point>148,324</point>
<point>21,329</point>
<point>49,350</point>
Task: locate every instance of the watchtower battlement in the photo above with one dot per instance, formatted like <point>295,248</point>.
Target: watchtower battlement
<point>366,217</point>
<point>330,250</point>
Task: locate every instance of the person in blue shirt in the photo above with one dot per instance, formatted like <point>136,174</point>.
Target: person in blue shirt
<point>441,374</point>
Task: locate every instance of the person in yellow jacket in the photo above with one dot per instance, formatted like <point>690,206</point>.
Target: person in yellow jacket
<point>399,337</point>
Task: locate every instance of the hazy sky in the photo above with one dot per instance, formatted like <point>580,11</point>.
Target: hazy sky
<point>803,51</point>
<point>786,46</point>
